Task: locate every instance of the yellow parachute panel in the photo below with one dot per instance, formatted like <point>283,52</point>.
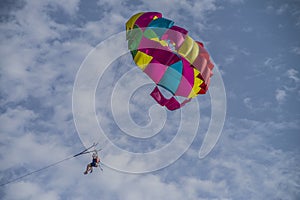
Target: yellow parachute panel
<point>130,23</point>
<point>142,60</point>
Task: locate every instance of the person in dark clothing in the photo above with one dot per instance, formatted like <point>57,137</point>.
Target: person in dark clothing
<point>95,163</point>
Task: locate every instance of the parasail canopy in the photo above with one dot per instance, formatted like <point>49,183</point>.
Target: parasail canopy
<point>170,57</point>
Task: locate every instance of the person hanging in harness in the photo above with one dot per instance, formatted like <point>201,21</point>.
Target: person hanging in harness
<point>95,163</point>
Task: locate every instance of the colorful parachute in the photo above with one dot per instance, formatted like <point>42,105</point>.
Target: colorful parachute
<point>169,56</point>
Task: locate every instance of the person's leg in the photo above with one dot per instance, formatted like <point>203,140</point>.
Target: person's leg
<point>88,168</point>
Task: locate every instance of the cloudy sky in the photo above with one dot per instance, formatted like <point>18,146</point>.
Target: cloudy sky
<point>47,52</point>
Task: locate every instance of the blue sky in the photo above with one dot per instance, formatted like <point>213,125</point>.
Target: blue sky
<point>256,48</point>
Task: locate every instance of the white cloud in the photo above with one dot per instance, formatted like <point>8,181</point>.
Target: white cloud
<point>293,74</point>
<point>69,6</point>
<point>280,95</point>
<point>256,104</point>
<point>296,50</point>
<point>13,121</point>
<point>274,63</point>
<point>248,29</point>
<point>27,190</point>
<point>289,87</point>
<point>247,102</point>
<point>230,59</point>
<point>252,165</point>
<point>268,61</point>
<point>282,9</point>
<point>236,1</point>
<point>182,12</point>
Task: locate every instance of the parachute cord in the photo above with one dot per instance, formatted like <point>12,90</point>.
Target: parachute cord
<point>33,172</point>
<point>48,166</point>
<point>53,164</point>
